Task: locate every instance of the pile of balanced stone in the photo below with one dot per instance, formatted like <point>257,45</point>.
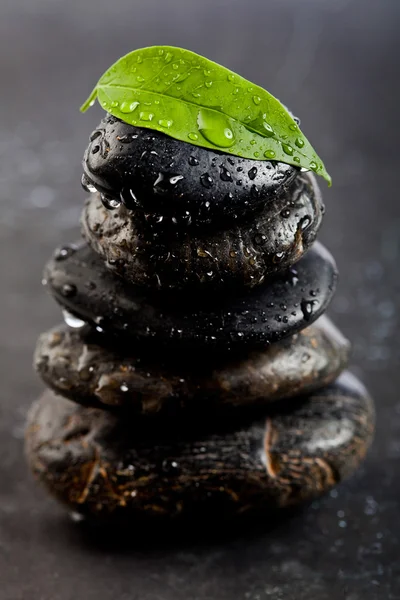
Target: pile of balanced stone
<point>195,371</point>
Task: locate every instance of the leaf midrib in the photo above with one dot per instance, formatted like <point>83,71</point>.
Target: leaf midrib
<point>198,106</point>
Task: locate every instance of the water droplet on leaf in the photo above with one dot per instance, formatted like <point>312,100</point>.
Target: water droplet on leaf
<point>269,154</point>
<point>146,116</point>
<point>215,128</point>
<point>128,107</point>
<point>287,149</point>
<point>165,123</point>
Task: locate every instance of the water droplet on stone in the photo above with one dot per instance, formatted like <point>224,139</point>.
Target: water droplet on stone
<point>68,290</point>
<point>305,222</point>
<point>193,162</point>
<point>174,180</point>
<point>165,181</point>
<point>225,175</point>
<point>95,149</point>
<point>259,239</point>
<point>87,185</point>
<point>64,252</point>
<point>72,321</point>
<point>252,173</point>
<point>170,466</point>
<point>125,139</point>
<point>206,180</point>
<point>123,387</point>
<point>110,203</point>
<point>129,199</point>
<point>307,308</point>
<point>285,213</point>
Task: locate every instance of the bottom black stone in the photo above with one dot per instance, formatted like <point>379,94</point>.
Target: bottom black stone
<point>103,466</point>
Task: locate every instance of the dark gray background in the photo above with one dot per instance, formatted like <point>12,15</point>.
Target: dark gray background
<point>335,63</point>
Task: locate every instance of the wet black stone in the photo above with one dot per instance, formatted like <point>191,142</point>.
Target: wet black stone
<point>103,466</point>
<point>212,321</point>
<point>143,252</point>
<point>170,177</point>
<point>79,365</point>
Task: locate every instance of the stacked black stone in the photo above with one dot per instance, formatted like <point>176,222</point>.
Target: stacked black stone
<point>201,371</point>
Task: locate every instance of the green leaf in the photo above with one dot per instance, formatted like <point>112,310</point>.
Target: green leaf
<point>193,99</point>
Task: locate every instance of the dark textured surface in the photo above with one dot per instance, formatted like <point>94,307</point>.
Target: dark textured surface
<point>225,258</point>
<point>79,365</point>
<point>82,284</point>
<point>163,175</point>
<point>336,65</point>
<point>104,466</point>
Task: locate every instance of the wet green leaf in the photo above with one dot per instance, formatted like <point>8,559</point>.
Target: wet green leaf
<point>193,99</point>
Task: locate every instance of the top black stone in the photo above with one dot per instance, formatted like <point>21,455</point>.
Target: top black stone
<point>158,174</point>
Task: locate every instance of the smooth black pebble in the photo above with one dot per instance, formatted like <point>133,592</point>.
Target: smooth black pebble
<point>272,311</point>
<point>159,174</point>
<point>104,466</point>
<point>149,251</point>
<point>77,364</point>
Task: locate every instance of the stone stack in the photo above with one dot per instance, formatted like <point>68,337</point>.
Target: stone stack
<point>195,372</point>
